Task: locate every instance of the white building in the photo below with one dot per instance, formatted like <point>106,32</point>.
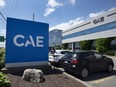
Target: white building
<point>102,26</point>
<point>55,37</point>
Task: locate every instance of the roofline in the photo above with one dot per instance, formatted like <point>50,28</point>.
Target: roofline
<point>87,21</point>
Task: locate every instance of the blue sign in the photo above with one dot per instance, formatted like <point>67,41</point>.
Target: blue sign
<point>26,43</point>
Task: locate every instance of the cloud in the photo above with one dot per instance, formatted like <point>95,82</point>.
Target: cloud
<point>73,2</point>
<point>92,15</point>
<point>49,11</point>
<point>2,32</point>
<point>71,23</point>
<point>112,9</point>
<point>2,3</point>
<point>66,25</point>
<point>53,3</point>
<point>51,7</point>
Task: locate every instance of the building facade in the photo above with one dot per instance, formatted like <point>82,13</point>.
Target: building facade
<point>55,37</point>
<point>103,26</point>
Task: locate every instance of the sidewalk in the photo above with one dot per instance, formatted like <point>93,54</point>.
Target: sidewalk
<point>112,57</point>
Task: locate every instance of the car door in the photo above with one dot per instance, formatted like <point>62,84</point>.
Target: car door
<point>92,63</point>
<point>89,60</point>
<point>100,62</point>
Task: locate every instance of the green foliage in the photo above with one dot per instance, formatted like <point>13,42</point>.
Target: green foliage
<point>112,53</point>
<point>4,81</point>
<point>58,47</point>
<point>65,46</point>
<point>2,58</point>
<point>103,44</point>
<point>86,45</point>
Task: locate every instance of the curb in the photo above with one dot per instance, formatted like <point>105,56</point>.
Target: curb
<point>80,81</point>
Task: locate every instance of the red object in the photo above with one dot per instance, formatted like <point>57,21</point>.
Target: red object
<point>75,61</point>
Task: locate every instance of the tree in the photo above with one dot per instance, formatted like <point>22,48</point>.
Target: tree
<point>103,44</point>
<point>2,58</point>
<point>58,47</point>
<point>86,45</point>
<point>65,46</point>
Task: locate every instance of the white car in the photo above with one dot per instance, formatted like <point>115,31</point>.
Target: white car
<point>55,57</point>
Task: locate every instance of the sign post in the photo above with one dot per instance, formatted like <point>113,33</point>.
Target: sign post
<point>26,43</point>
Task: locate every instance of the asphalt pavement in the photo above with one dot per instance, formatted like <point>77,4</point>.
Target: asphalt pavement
<point>103,79</point>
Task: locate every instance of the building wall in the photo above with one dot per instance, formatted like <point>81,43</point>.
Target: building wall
<point>102,26</point>
<point>55,37</point>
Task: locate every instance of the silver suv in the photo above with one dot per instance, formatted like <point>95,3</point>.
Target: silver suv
<point>55,57</point>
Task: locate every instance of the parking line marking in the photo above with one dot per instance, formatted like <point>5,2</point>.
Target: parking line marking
<point>101,80</point>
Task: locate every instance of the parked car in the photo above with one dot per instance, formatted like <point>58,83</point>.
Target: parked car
<point>55,57</point>
<point>83,63</point>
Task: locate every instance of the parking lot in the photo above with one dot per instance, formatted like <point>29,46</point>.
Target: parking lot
<point>103,79</point>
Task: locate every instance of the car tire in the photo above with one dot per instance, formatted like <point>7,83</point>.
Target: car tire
<point>84,73</point>
<point>110,68</point>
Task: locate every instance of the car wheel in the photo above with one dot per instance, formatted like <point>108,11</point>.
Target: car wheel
<point>84,73</point>
<point>110,68</point>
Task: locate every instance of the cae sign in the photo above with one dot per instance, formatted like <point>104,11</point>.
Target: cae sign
<point>26,43</point>
<point>39,42</point>
<point>101,19</point>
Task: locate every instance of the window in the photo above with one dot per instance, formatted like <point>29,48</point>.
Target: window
<point>74,55</point>
<point>85,55</point>
<point>104,27</point>
<point>78,27</point>
<point>97,55</point>
<point>68,55</point>
<point>111,14</point>
<point>64,52</point>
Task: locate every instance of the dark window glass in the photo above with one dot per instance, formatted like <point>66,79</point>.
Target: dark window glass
<point>97,55</point>
<point>111,14</point>
<point>85,55</point>
<point>68,55</point>
<point>108,26</point>
<point>64,52</point>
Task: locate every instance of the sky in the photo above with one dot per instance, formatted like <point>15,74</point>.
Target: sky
<point>60,14</point>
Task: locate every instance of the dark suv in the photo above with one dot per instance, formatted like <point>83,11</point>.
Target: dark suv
<point>84,62</point>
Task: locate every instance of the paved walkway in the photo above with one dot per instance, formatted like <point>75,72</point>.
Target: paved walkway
<point>113,57</point>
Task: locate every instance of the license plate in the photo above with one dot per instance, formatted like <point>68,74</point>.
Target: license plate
<point>65,62</point>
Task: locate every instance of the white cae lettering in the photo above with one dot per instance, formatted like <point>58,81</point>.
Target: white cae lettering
<point>15,40</point>
<point>38,43</point>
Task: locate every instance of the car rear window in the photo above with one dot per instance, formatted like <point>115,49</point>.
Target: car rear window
<point>71,55</point>
<point>64,52</point>
<point>68,55</point>
<point>75,56</point>
<point>85,55</point>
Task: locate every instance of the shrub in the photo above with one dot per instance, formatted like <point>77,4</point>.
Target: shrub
<point>112,53</point>
<point>58,47</point>
<point>86,45</point>
<point>4,81</point>
<point>64,46</point>
<point>103,44</point>
<point>2,58</point>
